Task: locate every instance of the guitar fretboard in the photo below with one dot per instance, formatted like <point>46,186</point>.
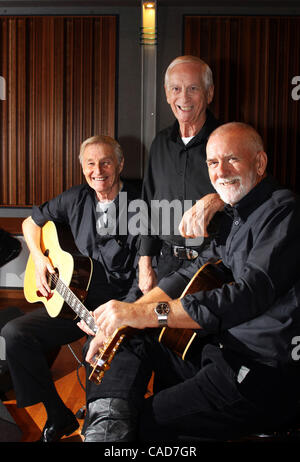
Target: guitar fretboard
<point>73,301</point>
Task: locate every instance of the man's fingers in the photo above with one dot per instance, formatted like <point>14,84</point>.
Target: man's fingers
<point>85,328</point>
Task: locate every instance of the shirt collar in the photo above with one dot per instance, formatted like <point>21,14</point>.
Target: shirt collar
<point>254,199</point>
<point>210,124</point>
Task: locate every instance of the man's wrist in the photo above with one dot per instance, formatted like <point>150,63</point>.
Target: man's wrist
<point>145,261</point>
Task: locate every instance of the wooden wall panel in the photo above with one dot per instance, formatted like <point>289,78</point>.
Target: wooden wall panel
<point>60,74</point>
<point>253,60</point>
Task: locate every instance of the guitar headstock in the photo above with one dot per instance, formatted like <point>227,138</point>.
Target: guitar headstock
<point>107,354</point>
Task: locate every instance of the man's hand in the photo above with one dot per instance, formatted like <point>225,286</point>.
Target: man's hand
<point>94,347</point>
<point>42,266</point>
<point>83,326</point>
<point>195,221</point>
<point>147,275</point>
<point>111,316</point>
<point>32,234</point>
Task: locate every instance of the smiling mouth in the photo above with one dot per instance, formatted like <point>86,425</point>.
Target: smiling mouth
<point>99,178</point>
<point>229,182</point>
<point>185,108</point>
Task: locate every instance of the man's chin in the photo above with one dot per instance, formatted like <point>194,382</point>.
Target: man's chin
<point>230,197</point>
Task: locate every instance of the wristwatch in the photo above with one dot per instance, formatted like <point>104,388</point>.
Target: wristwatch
<point>162,310</point>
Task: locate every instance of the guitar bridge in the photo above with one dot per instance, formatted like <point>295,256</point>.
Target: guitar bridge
<point>39,294</point>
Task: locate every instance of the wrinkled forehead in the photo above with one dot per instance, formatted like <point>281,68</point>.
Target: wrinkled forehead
<point>99,150</point>
<point>186,72</point>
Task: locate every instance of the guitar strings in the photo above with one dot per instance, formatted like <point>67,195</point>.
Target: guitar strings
<point>84,314</point>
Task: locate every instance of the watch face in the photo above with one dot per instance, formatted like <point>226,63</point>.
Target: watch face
<point>162,308</point>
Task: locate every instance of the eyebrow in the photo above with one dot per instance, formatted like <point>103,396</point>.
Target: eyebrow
<point>105,159</point>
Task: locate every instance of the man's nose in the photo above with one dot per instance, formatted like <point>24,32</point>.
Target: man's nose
<point>185,93</point>
<point>98,168</point>
<point>223,168</point>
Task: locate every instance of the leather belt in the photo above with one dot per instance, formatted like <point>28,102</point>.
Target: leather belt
<point>184,253</point>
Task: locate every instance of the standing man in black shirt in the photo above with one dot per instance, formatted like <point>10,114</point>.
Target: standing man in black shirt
<point>177,171</point>
<point>89,210</point>
<point>241,373</point>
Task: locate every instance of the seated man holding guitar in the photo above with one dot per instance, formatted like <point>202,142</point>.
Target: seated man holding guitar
<point>97,262</point>
<point>236,374</point>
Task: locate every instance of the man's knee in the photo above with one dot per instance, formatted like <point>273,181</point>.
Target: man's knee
<point>9,331</point>
<point>12,334</point>
<point>110,420</point>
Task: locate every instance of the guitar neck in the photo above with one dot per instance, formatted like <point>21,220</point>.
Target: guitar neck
<point>75,304</point>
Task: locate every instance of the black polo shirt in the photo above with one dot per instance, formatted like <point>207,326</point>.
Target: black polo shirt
<point>175,171</point>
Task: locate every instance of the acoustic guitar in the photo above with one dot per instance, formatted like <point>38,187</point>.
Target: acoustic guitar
<point>210,276</point>
<point>70,282</point>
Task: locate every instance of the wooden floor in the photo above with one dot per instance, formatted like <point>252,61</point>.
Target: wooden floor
<point>31,420</point>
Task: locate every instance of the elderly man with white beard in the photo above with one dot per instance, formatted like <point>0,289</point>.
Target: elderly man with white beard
<point>238,373</point>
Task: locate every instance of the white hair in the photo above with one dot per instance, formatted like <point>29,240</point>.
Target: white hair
<point>206,72</point>
<point>102,139</point>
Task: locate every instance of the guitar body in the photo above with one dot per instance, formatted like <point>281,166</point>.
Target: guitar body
<point>74,269</point>
<point>209,276</point>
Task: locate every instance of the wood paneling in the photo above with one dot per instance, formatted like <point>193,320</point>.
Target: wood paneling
<point>253,60</point>
<point>60,74</point>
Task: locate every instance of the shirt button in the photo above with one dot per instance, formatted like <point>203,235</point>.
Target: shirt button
<point>236,222</point>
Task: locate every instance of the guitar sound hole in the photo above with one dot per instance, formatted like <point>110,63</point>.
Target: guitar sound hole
<point>52,279</point>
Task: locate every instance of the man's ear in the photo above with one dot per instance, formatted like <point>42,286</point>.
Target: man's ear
<point>262,160</point>
<point>121,165</point>
<point>210,94</point>
<point>167,93</point>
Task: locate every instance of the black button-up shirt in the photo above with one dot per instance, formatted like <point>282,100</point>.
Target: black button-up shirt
<point>114,254</point>
<point>175,171</point>
<point>259,241</point>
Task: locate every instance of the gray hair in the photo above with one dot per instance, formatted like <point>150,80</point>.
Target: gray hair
<point>102,139</point>
<point>206,72</point>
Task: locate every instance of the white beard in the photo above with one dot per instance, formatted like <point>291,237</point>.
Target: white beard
<point>233,189</point>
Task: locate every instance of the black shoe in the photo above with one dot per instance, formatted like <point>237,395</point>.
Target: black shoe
<point>52,432</point>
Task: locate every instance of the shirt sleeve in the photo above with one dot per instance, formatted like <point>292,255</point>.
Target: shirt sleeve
<point>54,210</point>
<point>269,271</point>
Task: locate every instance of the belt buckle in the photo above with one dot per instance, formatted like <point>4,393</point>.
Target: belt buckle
<point>180,252</point>
<point>184,253</point>
<point>192,254</point>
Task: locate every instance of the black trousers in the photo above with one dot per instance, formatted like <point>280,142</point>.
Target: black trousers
<point>198,398</point>
<point>28,339</point>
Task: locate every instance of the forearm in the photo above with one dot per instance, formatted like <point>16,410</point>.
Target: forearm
<point>142,315</point>
<point>155,295</point>
<point>147,275</point>
<point>32,235</point>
